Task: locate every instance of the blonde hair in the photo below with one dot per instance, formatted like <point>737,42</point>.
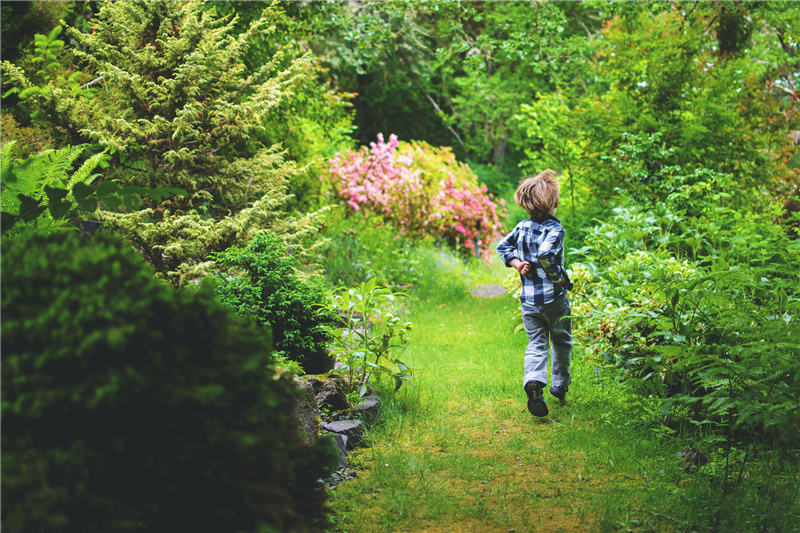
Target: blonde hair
<point>538,195</point>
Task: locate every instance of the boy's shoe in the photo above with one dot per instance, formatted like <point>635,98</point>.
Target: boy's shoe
<point>536,404</point>
<point>559,392</point>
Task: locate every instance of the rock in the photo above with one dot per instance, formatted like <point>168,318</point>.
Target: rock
<point>369,409</point>
<point>306,411</point>
<point>330,391</point>
<point>352,429</point>
<point>341,443</point>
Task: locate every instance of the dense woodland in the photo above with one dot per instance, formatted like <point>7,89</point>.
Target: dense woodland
<point>233,168</point>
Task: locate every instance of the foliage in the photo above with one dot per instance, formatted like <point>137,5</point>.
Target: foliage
<point>42,90</point>
<point>28,140</point>
<point>40,194</point>
<point>421,190</point>
<point>359,246</point>
<point>179,108</point>
<point>664,73</point>
<point>316,120</point>
<point>703,312</point>
<point>172,101</point>
<point>367,337</point>
<point>261,281</point>
<point>180,245</point>
<point>451,72</point>
<point>128,406</point>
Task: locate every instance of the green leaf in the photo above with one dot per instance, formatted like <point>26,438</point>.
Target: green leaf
<point>88,205</point>
<point>112,203</point>
<point>81,191</point>
<point>131,203</point>
<point>106,188</point>
<point>29,207</point>
<point>55,204</point>
<point>134,189</point>
<point>7,221</point>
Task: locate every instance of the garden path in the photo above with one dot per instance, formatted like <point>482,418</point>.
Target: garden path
<point>459,450</point>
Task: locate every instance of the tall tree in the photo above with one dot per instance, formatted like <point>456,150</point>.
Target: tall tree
<point>173,102</point>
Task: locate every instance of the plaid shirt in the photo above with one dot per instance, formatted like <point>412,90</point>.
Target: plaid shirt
<point>541,242</point>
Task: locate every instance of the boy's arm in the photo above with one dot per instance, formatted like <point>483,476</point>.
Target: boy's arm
<point>552,270</point>
<point>548,256</point>
<point>507,249</point>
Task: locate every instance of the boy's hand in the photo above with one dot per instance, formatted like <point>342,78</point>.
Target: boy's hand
<point>522,266</point>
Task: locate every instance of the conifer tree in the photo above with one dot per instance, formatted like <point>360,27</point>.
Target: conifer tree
<point>174,104</point>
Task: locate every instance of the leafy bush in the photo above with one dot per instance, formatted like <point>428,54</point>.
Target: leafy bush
<point>422,190</point>
<point>189,116</point>
<point>128,406</point>
<point>359,246</point>
<point>701,311</point>
<point>261,281</point>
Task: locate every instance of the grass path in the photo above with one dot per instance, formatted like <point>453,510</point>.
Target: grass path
<point>460,452</point>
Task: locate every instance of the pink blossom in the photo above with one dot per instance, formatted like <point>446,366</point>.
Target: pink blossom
<point>411,196</point>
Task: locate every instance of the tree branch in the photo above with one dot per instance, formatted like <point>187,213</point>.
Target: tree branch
<point>440,112</point>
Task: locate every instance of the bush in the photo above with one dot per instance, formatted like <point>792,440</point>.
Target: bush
<point>420,189</point>
<point>260,280</point>
<point>359,246</point>
<point>128,406</point>
<point>701,310</point>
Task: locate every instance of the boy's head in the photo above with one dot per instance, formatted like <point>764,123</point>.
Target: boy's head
<point>538,195</point>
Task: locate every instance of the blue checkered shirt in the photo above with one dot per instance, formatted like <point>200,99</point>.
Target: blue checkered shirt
<point>541,242</point>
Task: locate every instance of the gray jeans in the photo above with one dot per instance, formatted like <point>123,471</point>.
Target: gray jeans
<point>545,327</point>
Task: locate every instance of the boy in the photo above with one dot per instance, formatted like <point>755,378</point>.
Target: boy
<point>536,249</point>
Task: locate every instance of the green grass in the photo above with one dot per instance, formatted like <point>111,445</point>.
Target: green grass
<point>459,451</point>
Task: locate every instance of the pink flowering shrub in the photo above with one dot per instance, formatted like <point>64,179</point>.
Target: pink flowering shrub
<point>420,189</point>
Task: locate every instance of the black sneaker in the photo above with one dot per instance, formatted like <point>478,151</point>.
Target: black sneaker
<point>559,392</point>
<point>536,404</point>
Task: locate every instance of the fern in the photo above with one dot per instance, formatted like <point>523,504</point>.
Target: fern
<point>50,168</point>
<point>38,189</point>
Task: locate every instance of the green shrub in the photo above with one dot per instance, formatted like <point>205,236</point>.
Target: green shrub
<point>701,310</point>
<point>128,406</point>
<point>261,280</point>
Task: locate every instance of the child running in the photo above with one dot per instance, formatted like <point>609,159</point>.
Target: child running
<point>536,249</point>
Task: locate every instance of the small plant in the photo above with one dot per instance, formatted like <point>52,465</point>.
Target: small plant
<point>368,337</point>
<point>261,281</point>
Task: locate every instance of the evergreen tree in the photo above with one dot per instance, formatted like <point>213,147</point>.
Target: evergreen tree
<point>174,104</point>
